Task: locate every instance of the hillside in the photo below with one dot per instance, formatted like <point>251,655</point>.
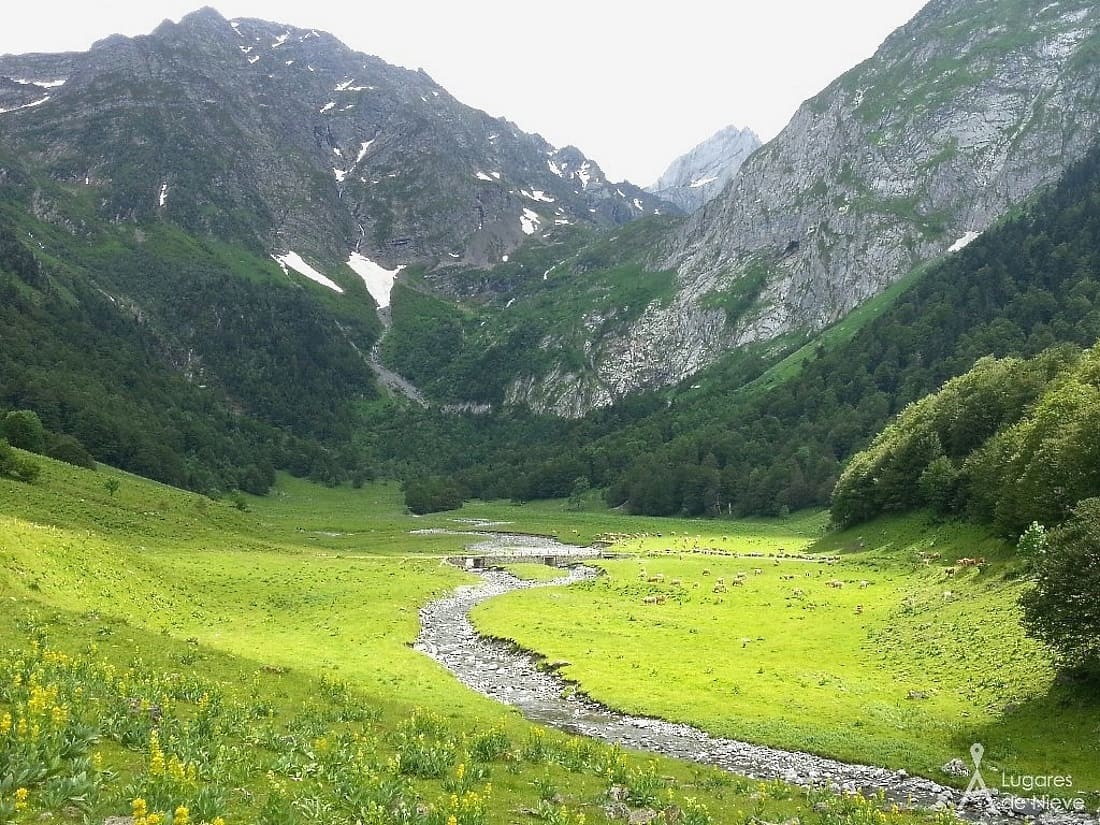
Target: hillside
<point>1009,443</point>
<point>758,433</point>
<point>958,117</point>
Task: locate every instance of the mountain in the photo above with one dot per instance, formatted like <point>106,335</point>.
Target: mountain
<point>753,434</point>
<point>199,226</point>
<point>958,117</point>
<point>285,140</point>
<point>699,175</point>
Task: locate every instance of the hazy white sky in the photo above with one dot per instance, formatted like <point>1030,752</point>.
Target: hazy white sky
<point>633,84</point>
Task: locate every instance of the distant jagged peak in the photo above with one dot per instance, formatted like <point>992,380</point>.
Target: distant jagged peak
<point>701,173</point>
<point>205,19</point>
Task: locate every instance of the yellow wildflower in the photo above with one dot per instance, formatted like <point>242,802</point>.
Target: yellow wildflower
<point>176,770</point>
<point>5,724</point>
<point>21,795</point>
<point>181,816</point>
<point>156,755</point>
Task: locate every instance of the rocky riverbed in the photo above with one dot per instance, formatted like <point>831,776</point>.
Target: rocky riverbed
<point>496,669</point>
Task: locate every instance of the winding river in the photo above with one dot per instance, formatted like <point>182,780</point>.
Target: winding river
<point>497,670</point>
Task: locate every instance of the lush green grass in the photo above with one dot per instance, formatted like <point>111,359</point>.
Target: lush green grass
<point>596,523</point>
<point>293,618</point>
<point>796,663</point>
<point>534,572</point>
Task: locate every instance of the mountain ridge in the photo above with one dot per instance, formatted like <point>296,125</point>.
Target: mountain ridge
<point>313,147</point>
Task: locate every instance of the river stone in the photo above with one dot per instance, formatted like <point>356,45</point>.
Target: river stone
<point>956,767</point>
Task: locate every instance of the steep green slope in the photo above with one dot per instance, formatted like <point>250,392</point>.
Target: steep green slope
<point>1010,442</point>
<point>190,361</point>
<point>475,335</point>
<point>1027,284</point>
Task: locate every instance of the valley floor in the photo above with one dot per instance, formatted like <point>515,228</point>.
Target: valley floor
<point>255,664</point>
<point>869,646</point>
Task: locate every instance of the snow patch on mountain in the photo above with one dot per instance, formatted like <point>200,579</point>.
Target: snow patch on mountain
<point>378,279</point>
<point>292,260</point>
<point>529,221</point>
<point>965,241</point>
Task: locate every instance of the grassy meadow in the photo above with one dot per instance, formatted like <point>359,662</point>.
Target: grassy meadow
<point>879,655</point>
<point>183,660</point>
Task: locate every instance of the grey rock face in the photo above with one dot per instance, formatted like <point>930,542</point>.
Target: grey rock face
<point>960,115</point>
<point>697,177</point>
<point>282,138</point>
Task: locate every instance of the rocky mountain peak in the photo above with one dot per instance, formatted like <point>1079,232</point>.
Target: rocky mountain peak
<point>697,176</point>
<point>284,139</point>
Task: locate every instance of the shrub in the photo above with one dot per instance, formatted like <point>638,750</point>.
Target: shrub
<point>14,465</point>
<point>68,449</point>
<point>23,429</point>
<point>430,495</point>
<point>1062,610</point>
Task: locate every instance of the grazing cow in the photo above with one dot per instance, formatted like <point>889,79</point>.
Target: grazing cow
<point>863,585</point>
<point>836,584</point>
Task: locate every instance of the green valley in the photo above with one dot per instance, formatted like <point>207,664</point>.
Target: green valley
<point>253,664</point>
<point>368,460</point>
